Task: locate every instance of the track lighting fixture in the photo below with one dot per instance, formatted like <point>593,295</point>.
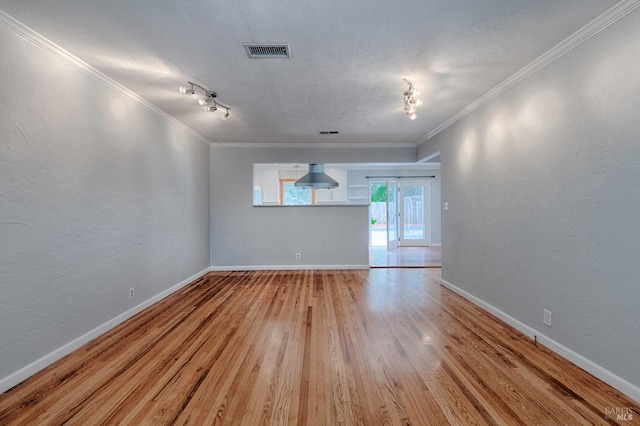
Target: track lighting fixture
<point>209,101</point>
<point>411,101</point>
<point>187,90</point>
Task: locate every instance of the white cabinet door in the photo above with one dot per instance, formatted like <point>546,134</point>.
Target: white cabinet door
<point>324,196</point>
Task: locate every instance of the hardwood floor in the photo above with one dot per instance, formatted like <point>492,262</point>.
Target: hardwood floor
<point>405,257</point>
<point>385,346</point>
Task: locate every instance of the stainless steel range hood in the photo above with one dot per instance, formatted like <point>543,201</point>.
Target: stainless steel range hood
<point>316,178</point>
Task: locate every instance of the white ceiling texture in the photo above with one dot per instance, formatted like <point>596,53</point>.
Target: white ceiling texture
<point>348,58</point>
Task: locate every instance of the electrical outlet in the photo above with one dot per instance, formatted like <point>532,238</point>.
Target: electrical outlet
<point>131,293</point>
<point>298,256</point>
<point>546,317</point>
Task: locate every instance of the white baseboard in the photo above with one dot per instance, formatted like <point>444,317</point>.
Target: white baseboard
<point>617,382</point>
<point>285,267</point>
<point>435,245</point>
<point>29,370</point>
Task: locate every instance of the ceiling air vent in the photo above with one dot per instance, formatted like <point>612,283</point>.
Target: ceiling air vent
<point>267,50</point>
<point>328,132</point>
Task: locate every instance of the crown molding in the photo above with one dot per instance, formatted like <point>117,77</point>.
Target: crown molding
<point>609,17</point>
<point>336,145</point>
<point>19,29</point>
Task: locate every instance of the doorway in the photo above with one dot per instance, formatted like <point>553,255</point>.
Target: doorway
<point>400,214</point>
<point>400,224</point>
<point>414,208</point>
<point>378,214</point>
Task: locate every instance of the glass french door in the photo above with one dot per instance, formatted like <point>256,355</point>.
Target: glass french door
<point>414,208</point>
<point>392,215</point>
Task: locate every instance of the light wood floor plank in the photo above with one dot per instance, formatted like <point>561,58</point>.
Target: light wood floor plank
<point>310,348</point>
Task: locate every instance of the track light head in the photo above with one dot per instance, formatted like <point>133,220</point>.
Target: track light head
<point>412,93</point>
<point>208,102</point>
<point>208,99</point>
<point>187,90</point>
<point>411,101</point>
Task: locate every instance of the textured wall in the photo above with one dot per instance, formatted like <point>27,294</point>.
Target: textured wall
<point>243,235</point>
<point>98,194</point>
<point>543,185</point>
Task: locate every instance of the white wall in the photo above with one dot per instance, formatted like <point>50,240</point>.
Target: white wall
<point>248,236</point>
<point>98,193</point>
<point>543,185</point>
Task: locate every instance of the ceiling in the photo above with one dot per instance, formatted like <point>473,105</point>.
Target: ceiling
<point>348,58</point>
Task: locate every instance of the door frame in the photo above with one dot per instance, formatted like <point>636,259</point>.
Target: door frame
<point>393,214</point>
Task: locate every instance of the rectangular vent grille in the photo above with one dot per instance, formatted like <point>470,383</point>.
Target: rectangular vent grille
<point>329,132</point>
<point>267,50</point>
